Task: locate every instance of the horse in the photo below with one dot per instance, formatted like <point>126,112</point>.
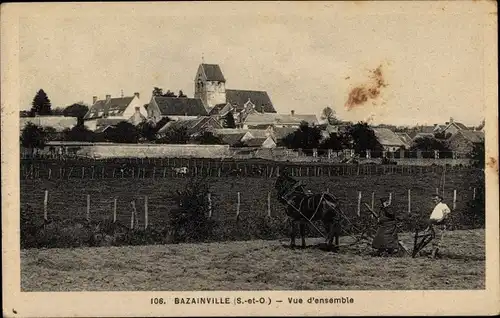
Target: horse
<point>303,206</point>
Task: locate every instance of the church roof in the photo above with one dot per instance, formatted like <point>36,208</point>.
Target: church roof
<point>213,72</point>
<point>175,106</point>
<point>260,99</point>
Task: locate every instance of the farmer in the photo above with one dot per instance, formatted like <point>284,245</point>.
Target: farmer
<point>386,239</point>
<point>437,222</point>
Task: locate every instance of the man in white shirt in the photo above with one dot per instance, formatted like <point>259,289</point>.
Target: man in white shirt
<point>437,222</point>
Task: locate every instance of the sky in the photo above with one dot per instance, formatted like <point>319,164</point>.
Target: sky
<point>307,56</point>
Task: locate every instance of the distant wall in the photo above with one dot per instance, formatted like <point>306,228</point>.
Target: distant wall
<point>151,151</point>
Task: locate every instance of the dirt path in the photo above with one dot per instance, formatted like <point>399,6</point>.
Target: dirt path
<point>251,265</point>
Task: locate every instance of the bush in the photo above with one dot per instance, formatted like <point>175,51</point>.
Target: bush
<point>190,222</point>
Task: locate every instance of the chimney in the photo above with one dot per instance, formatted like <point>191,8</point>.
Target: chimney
<point>137,110</point>
<point>94,99</point>
<point>451,120</point>
<point>292,112</point>
<point>108,98</point>
<point>136,94</point>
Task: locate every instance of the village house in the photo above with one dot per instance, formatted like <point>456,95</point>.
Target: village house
<point>389,140</point>
<point>175,108</point>
<point>449,128</point>
<point>464,140</point>
<point>194,127</point>
<point>110,111</point>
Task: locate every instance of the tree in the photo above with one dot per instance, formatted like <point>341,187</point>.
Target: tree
<point>174,135</point>
<point>157,91</point>
<point>305,137</point>
<point>33,136</point>
<point>428,144</point>
<point>442,135</point>
<point>335,142</point>
<point>169,94</point>
<point>79,133</point>
<point>229,121</point>
<point>477,155</point>
<point>329,114</point>
<point>181,94</point>
<point>41,104</point>
<point>208,138</point>
<point>363,138</point>
<point>77,110</point>
<point>148,130</point>
<point>123,132</point>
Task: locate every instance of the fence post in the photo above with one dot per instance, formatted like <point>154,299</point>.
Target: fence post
<point>45,202</point>
<point>114,211</point>
<point>88,207</point>
<point>114,170</point>
<point>454,199</point>
<point>359,203</point>
<point>209,197</point>
<point>437,190</point>
<point>390,197</point>
<point>474,194</point>
<point>269,204</point>
<point>132,217</point>
<point>145,212</point>
<point>373,200</point>
<point>238,206</point>
<point>154,170</point>
<point>50,173</point>
<point>102,172</point>
<point>83,172</point>
<point>409,201</point>
<point>164,171</point>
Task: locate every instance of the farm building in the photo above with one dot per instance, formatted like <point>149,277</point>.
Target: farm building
<point>389,140</point>
<point>175,108</point>
<point>264,120</point>
<point>464,140</point>
<point>193,126</point>
<point>59,123</point>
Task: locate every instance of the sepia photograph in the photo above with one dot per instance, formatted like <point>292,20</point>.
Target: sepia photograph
<point>309,154</point>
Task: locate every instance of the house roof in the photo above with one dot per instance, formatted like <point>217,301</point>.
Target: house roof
<point>422,135</point>
<point>216,109</point>
<point>59,123</point>
<point>404,137</point>
<point>256,118</point>
<point>457,124</point>
<point>282,132</point>
<point>230,131</point>
<point>111,107</point>
<point>472,136</point>
<point>171,106</point>
<point>232,139</point>
<point>192,125</point>
<point>108,121</point>
<point>387,137</point>
<point>255,142</point>
<point>213,72</point>
<point>260,99</point>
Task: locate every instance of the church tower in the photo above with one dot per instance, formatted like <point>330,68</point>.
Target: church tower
<point>210,85</point>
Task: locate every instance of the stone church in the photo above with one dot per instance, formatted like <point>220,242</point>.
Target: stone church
<point>210,87</point>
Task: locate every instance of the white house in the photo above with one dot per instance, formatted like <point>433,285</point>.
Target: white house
<point>118,109</point>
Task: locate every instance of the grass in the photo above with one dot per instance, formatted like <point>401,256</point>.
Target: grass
<point>253,265</point>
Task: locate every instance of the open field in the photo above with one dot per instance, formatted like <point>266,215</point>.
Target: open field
<point>252,265</point>
<point>67,199</point>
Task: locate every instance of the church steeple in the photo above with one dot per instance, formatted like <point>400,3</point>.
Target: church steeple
<point>210,84</point>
